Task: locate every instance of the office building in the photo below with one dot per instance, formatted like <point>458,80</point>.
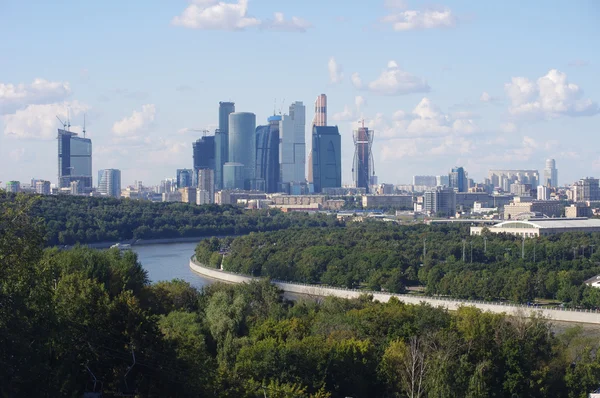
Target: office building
<point>427,181</point>
<point>222,141</point>
<point>267,156</point>
<point>505,178</point>
<point>13,186</point>
<point>442,181</point>
<point>458,179</point>
<point>363,165</point>
<point>185,177</point>
<point>327,158</point>
<point>42,187</point>
<point>233,176</point>
<point>242,145</point>
<point>168,185</point>
<point>578,209</point>
<point>109,182</point>
<point>292,145</point>
<point>541,227</point>
<point>586,190</point>
<point>204,156</point>
<point>525,207</point>
<point>550,174</point>
<point>543,192</point>
<point>320,119</point>
<point>440,202</point>
<point>188,195</point>
<point>387,201</point>
<point>518,189</point>
<point>228,197</point>
<point>74,160</point>
<point>206,187</point>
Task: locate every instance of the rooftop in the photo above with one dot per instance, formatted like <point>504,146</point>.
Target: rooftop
<point>554,223</point>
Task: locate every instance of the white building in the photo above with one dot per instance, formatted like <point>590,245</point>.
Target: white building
<point>543,192</point>
<point>542,226</point>
<point>292,144</point>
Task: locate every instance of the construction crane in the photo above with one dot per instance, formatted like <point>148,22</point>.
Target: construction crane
<point>63,123</point>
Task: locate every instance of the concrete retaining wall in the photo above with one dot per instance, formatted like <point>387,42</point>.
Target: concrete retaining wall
<point>564,315</point>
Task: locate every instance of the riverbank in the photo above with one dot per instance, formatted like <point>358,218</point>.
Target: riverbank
<point>143,242</point>
<point>560,315</point>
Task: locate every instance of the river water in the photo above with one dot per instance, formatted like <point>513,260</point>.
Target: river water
<point>167,261</point>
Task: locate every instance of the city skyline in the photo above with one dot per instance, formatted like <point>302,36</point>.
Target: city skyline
<point>482,87</point>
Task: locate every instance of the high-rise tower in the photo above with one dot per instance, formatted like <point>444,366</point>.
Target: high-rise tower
<point>320,119</point>
<point>267,155</point>
<point>327,157</point>
<point>242,145</point>
<point>550,174</point>
<point>109,182</point>
<point>363,167</point>
<point>458,179</point>
<point>292,148</point>
<point>222,141</point>
<point>204,156</point>
<point>74,160</point>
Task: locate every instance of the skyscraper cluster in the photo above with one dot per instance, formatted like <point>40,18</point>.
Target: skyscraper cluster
<point>271,157</point>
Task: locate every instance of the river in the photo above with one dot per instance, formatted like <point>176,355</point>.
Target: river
<point>167,261</point>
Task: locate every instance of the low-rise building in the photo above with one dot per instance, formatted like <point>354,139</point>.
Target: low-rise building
<point>579,209</point>
<point>231,197</point>
<point>526,207</point>
<point>542,226</point>
<point>395,201</point>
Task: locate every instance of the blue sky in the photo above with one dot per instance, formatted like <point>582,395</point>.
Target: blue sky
<point>483,84</point>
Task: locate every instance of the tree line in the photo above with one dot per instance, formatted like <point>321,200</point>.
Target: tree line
<point>443,259</point>
<point>69,220</point>
<point>73,321</point>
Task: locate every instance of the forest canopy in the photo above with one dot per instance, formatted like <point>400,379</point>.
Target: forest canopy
<point>443,260</point>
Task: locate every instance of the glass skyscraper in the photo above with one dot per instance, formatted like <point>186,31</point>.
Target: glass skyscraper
<point>74,160</point>
<point>326,157</point>
<point>267,155</point>
<point>185,178</point>
<point>204,156</point>
<point>109,182</point>
<point>242,144</point>
<point>222,141</point>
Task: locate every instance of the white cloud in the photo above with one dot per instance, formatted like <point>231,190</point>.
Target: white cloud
<point>279,23</point>
<point>39,121</point>
<point>40,91</point>
<point>427,19</point>
<point>399,148</point>
<point>214,15</point>
<point>356,80</point>
<point>219,15</point>
<point>359,101</point>
<point>395,81</point>
<point>137,121</point>
<point>487,97</point>
<point>346,115</point>
<point>549,97</point>
<point>426,120</point>
<point>335,71</point>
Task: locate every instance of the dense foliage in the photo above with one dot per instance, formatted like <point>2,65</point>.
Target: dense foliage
<point>67,317</point>
<point>75,219</point>
<point>382,256</point>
